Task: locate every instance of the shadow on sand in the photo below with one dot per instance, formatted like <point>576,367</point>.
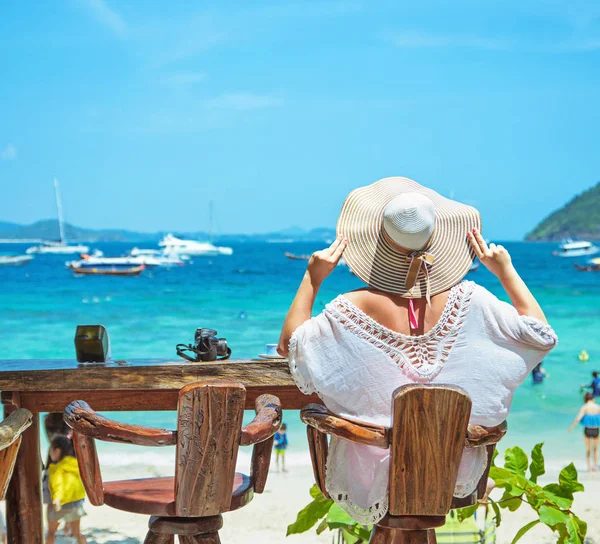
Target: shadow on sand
<point>100,536</point>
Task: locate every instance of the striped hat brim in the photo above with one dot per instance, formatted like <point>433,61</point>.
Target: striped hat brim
<point>372,257</point>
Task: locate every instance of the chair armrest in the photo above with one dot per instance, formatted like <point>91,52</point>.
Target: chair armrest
<point>13,426</point>
<point>484,436</point>
<point>265,424</point>
<point>83,420</point>
<point>320,418</point>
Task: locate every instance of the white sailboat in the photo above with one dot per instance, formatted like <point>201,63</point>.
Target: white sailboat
<point>61,247</point>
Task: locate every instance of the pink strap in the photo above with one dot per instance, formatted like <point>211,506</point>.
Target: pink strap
<point>412,315</point>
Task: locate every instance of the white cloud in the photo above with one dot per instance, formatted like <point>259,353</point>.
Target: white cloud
<point>243,101</point>
<point>9,153</point>
<point>107,16</point>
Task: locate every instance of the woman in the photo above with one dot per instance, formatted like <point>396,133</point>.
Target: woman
<point>589,416</point>
<point>417,321</point>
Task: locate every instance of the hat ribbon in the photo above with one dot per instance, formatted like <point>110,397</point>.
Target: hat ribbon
<point>419,260</point>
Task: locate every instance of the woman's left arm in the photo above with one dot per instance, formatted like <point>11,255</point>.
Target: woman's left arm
<point>578,418</point>
<point>320,265</point>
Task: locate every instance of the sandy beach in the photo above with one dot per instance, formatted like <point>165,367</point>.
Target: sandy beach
<point>265,520</point>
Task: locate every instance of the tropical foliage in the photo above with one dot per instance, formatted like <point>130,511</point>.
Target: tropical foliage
<point>551,504</point>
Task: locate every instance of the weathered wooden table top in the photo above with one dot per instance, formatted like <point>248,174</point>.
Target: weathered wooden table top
<point>139,374</point>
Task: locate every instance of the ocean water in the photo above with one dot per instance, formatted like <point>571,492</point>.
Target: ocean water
<point>246,296</point>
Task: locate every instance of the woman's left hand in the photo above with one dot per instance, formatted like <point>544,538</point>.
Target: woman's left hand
<point>322,263</point>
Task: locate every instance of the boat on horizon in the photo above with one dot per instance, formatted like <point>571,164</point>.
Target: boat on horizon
<point>15,260</point>
<point>576,248</point>
<point>192,248</point>
<point>149,261</point>
<point>59,247</point>
<point>110,271</point>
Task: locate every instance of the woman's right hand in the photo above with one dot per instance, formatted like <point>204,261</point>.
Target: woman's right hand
<point>323,262</point>
<point>495,258</point>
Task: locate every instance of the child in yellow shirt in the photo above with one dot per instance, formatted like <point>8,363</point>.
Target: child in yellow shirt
<point>66,490</point>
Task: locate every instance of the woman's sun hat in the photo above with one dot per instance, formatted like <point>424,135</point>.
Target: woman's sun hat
<point>404,238</point>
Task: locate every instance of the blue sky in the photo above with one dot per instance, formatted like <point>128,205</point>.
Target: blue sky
<point>275,110</point>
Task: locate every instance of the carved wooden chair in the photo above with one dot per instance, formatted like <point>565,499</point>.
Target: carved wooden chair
<point>11,430</point>
<point>209,433</point>
<point>429,431</point>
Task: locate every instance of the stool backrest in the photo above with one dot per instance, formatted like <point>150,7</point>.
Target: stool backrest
<point>11,430</point>
<point>209,425</point>
<point>429,426</point>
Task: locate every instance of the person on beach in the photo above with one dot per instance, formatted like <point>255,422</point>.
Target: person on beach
<point>416,321</point>
<point>538,374</point>
<point>589,417</point>
<point>66,490</point>
<point>594,386</point>
<point>281,444</point>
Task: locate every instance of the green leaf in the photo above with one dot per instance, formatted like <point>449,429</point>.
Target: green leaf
<point>524,529</point>
<point>315,492</point>
<point>537,467</point>
<point>350,538</point>
<point>310,514</point>
<point>465,513</point>
<point>337,517</point>
<point>581,524</point>
<point>552,516</point>
<point>557,495</point>
<point>573,530</point>
<point>494,455</point>
<point>511,502</point>
<point>496,508</point>
<point>515,460</point>
<point>568,479</point>
<point>322,526</point>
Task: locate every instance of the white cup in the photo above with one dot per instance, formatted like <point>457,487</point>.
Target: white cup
<point>271,349</point>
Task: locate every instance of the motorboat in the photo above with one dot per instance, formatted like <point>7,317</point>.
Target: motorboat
<point>571,248</point>
<point>474,266</point>
<point>59,247</point>
<point>110,271</point>
<point>172,258</point>
<point>593,265</point>
<point>172,244</point>
<point>15,260</point>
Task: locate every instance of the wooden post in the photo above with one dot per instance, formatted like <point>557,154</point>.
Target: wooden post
<point>24,519</point>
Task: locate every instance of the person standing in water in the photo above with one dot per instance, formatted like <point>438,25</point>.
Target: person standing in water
<point>281,444</point>
<point>589,417</point>
<point>594,386</point>
<point>538,374</point>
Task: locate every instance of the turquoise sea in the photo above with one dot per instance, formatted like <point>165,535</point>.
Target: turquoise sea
<point>245,297</point>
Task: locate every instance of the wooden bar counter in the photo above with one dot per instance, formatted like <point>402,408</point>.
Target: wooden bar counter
<point>49,385</point>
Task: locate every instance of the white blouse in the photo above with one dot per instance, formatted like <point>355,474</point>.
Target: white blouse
<point>354,364</point>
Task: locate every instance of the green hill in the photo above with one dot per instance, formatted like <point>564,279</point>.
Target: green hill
<point>579,218</point>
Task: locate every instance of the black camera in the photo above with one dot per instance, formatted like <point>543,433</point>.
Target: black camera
<point>206,347</point>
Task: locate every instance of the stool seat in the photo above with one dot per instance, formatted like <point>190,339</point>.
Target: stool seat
<point>156,496</point>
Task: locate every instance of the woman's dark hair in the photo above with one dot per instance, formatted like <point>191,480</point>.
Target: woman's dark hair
<point>54,424</point>
<point>588,397</point>
<point>595,374</point>
<point>64,444</point>
<point>283,426</point>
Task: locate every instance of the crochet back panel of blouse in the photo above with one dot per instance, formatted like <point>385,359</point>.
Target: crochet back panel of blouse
<point>355,364</point>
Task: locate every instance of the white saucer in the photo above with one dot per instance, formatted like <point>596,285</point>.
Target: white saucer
<point>265,356</point>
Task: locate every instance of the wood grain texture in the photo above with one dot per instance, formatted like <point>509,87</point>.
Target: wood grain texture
<point>209,428</point>
<point>265,424</point>
<point>168,375</point>
<point>8,457</point>
<point>13,426</point>
<point>82,419</point>
<point>151,399</point>
<point>428,435</point>
<point>89,468</point>
<point>319,417</point>
<point>185,526</point>
<point>24,496</point>
<point>154,538</point>
<point>260,463</point>
<point>318,448</point>
<point>386,535</point>
<point>477,435</point>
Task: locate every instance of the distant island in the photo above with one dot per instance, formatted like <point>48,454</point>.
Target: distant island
<point>579,218</point>
<point>47,229</point>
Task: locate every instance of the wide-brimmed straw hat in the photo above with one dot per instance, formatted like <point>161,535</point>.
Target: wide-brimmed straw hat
<point>404,238</point>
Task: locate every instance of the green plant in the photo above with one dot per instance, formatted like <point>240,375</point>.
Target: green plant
<point>551,503</point>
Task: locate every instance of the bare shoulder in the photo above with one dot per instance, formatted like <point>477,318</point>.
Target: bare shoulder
<point>366,299</point>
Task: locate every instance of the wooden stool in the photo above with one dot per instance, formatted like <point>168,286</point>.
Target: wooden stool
<point>209,433</point>
<point>426,441</point>
<point>11,430</point>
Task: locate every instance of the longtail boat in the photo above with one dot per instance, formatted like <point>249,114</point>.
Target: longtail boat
<point>133,271</point>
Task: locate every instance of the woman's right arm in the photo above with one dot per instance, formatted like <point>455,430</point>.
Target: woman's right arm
<point>497,260</point>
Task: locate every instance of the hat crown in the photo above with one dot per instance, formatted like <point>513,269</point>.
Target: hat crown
<point>409,220</point>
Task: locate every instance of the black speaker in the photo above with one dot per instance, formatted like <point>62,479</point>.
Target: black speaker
<point>91,343</point>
